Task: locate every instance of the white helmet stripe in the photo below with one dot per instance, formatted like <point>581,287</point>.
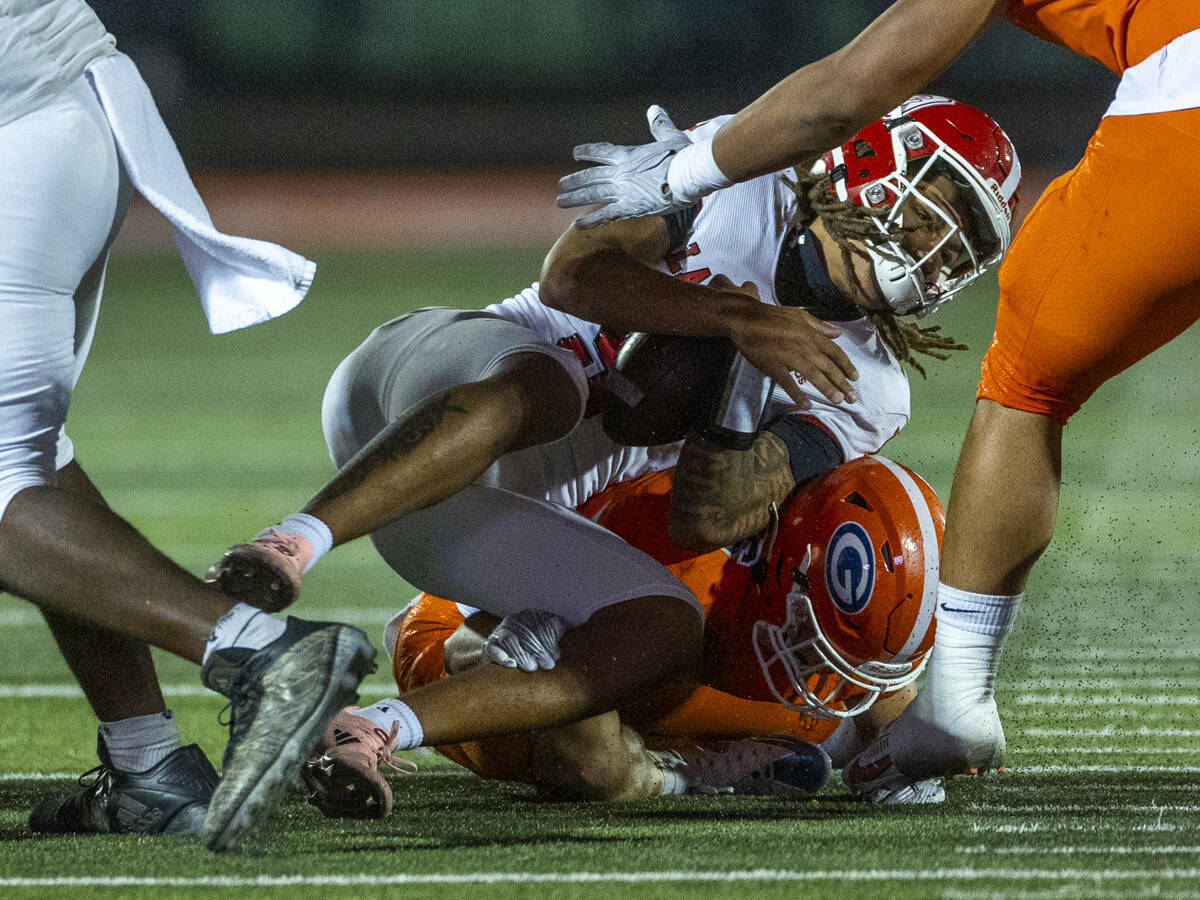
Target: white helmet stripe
<point>932,560</point>
<point>1012,181</point>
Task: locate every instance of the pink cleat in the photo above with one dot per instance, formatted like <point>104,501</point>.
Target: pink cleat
<point>264,573</point>
<point>342,774</point>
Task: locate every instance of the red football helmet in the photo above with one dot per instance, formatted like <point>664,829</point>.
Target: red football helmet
<point>948,175</point>
<point>854,573</point>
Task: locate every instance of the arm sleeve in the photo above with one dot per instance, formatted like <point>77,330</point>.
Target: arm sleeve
<point>812,448</point>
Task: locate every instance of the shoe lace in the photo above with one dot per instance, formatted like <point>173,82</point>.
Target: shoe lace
<point>229,714</point>
<point>280,541</point>
<point>385,753</point>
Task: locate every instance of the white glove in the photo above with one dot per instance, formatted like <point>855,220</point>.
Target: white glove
<point>631,181</point>
<point>527,640</point>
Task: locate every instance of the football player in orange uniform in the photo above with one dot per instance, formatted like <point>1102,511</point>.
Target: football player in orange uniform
<point>1091,244</point>
<point>819,625</point>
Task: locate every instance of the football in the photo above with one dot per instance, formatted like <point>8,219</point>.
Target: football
<point>663,385</point>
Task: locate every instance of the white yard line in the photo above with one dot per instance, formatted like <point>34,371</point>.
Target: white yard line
<point>1111,731</point>
<point>1125,749</point>
<point>1051,698</point>
<point>18,691</point>
<point>1163,682</point>
<point>1118,850</point>
<point>1094,876</point>
<point>27,616</point>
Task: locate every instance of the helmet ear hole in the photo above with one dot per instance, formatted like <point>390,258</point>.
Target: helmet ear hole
<point>858,500</point>
<point>886,552</point>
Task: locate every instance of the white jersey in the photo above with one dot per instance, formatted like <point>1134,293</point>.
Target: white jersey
<point>737,233</point>
<point>44,46</point>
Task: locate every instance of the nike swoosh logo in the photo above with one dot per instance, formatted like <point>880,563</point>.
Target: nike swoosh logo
<point>653,165</point>
<point>957,609</point>
<point>858,774</point>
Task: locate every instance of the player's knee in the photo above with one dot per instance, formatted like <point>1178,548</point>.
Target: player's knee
<point>533,398</point>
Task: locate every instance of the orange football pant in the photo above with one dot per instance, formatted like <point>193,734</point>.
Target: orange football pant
<point>1105,269</point>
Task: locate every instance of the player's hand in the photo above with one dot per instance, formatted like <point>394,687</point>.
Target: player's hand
<point>630,181</point>
<point>791,346</point>
<point>527,640</point>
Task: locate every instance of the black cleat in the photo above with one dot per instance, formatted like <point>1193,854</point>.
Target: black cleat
<point>169,798</point>
<point>280,700</point>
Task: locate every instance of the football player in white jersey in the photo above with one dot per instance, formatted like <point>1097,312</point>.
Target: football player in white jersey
<point>464,439</point>
<point>65,183</point>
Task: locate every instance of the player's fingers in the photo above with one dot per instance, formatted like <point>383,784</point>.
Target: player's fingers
<point>825,328</point>
<point>584,179</point>
<point>821,381</point>
<point>602,152</point>
<point>661,126</point>
<point>597,217</point>
<point>793,384</point>
<point>585,196</point>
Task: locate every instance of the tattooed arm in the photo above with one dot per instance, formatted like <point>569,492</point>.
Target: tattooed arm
<point>721,496</point>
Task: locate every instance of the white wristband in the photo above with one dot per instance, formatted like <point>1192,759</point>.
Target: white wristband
<point>693,172</point>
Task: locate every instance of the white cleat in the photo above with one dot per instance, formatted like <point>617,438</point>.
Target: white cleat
<point>924,743</point>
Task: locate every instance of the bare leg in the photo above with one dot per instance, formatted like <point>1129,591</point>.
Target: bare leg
<point>1004,501</point>
<point>116,672</point>
<point>596,759</point>
<point>447,442</point>
<point>73,557</point>
<point>1001,518</point>
<point>620,651</point>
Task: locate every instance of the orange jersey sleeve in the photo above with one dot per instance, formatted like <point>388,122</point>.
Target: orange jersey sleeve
<point>1116,33</point>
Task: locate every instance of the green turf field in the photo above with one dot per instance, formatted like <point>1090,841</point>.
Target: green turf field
<point>200,440</point>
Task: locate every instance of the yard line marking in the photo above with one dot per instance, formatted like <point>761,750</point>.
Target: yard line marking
<point>1109,770</point>
<point>28,616</point>
<point>21,691</point>
<point>1119,850</point>
<point>956,874</point>
<point>1111,731</point>
<point>1083,807</point>
<point>1107,699</point>
<point>1163,682</point>
<point>1151,750</point>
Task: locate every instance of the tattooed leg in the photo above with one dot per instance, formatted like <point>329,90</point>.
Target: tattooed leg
<point>446,442</point>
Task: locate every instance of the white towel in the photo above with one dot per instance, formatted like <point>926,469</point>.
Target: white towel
<point>241,281</point>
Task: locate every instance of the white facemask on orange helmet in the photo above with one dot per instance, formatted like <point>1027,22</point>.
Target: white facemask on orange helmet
<point>852,584</point>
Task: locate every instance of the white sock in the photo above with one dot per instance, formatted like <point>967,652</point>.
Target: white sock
<point>673,782</point>
<point>141,742</point>
<point>243,626</point>
<point>971,629</point>
<point>386,713</point>
<point>311,529</point>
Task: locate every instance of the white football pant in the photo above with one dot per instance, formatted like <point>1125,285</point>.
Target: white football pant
<point>63,196</point>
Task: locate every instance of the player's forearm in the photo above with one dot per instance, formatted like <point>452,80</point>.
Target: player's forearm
<point>612,288</point>
<point>825,103</point>
<point>722,496</point>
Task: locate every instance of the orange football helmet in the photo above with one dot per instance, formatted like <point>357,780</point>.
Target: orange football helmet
<point>853,574</point>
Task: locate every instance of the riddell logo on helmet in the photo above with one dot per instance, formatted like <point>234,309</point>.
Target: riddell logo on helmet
<point>850,568</point>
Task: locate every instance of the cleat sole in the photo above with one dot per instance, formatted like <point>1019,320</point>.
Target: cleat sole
<point>241,803</point>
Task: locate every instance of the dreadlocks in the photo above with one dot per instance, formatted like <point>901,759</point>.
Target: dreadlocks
<point>850,225</point>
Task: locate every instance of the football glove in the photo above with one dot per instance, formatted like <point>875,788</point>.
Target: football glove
<point>527,640</point>
<point>631,181</point>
